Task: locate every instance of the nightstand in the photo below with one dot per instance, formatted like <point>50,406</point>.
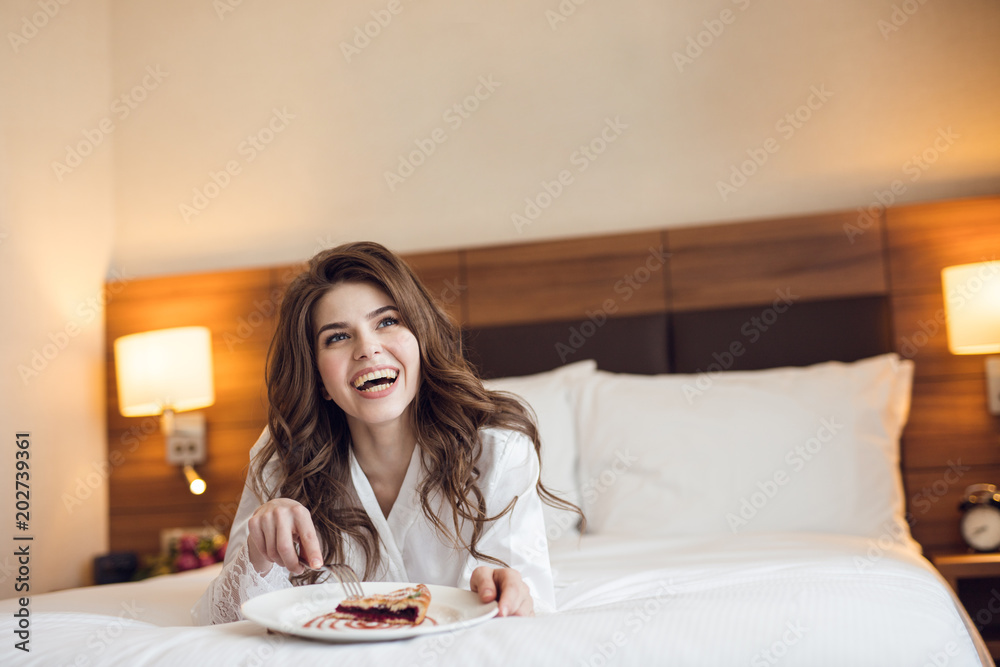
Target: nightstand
<point>975,577</point>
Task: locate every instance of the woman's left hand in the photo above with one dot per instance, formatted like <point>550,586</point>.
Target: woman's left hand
<point>506,587</point>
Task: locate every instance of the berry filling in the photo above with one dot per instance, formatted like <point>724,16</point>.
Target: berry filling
<point>380,614</point>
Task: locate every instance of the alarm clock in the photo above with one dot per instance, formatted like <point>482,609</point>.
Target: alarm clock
<point>980,524</point>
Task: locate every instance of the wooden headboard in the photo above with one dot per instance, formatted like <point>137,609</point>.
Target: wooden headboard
<point>736,296</point>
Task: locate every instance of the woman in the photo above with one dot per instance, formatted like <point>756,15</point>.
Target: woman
<point>384,451</point>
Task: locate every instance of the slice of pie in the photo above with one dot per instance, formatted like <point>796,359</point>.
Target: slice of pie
<point>407,606</point>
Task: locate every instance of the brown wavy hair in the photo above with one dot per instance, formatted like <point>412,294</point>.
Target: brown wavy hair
<point>310,436</point>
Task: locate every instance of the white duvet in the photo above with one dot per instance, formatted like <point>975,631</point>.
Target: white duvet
<point>757,600</point>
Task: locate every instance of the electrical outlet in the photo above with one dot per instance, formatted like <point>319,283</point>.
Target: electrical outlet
<point>185,450</point>
<point>186,446</point>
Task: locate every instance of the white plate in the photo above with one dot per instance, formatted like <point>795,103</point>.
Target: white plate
<point>288,611</point>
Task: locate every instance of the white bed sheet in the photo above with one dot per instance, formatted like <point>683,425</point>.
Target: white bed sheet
<point>743,600</point>
<point>165,600</point>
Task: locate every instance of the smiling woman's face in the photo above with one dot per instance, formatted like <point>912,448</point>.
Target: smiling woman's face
<point>368,359</point>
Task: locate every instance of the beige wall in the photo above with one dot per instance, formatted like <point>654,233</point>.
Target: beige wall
<point>881,93</point>
<point>55,247</point>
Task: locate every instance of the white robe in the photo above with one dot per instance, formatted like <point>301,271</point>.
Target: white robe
<point>412,549</point>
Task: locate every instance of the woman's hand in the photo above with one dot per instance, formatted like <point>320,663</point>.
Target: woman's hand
<point>273,532</point>
<point>506,587</point>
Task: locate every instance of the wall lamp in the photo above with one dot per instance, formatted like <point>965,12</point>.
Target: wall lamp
<point>165,372</point>
<point>972,309</point>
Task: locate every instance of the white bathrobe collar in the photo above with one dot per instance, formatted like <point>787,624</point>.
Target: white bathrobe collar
<point>405,510</point>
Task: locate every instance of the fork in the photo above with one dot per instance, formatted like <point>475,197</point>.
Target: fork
<point>344,574</point>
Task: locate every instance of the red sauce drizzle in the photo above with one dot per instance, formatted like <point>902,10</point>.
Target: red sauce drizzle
<point>331,622</point>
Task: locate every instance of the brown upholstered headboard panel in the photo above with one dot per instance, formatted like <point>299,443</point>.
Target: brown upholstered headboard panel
<point>782,292</point>
<point>746,338</point>
<point>745,296</point>
<point>633,344</point>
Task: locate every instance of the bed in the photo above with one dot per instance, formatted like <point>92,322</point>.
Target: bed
<point>776,535</point>
<point>735,447</point>
<point>758,601</point>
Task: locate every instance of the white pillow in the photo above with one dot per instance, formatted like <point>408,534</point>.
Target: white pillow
<point>786,449</point>
<point>548,395</point>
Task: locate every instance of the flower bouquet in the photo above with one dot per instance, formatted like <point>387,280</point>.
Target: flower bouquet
<point>187,551</point>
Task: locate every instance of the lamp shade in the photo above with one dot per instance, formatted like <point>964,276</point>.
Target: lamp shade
<point>972,307</point>
<point>165,369</point>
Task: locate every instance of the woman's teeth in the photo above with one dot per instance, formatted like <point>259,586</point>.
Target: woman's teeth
<point>378,380</point>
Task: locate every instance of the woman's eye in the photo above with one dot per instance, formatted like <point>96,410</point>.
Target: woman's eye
<point>388,322</point>
<point>333,338</point>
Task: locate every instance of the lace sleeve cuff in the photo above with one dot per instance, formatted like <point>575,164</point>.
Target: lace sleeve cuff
<point>237,583</point>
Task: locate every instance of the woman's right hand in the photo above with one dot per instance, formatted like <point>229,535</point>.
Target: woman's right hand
<point>274,530</point>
